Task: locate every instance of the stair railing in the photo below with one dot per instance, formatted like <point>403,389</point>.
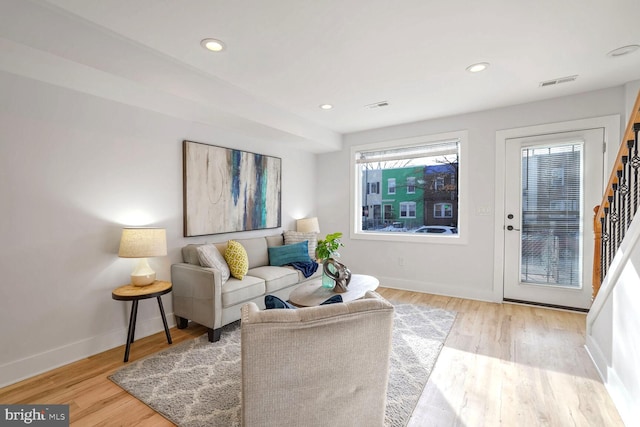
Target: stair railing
<point>619,204</point>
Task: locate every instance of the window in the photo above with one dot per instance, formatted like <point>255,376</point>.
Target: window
<point>411,185</point>
<point>407,209</point>
<point>443,210</point>
<point>424,179</point>
<point>373,188</point>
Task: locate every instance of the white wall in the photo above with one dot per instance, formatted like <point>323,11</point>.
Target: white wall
<point>457,270</point>
<point>75,168</point>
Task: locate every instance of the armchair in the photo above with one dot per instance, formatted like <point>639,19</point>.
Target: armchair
<point>316,366</point>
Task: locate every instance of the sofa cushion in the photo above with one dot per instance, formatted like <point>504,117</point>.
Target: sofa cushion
<point>275,278</point>
<point>190,254</point>
<point>238,291</point>
<point>291,237</point>
<point>276,240</point>
<point>287,254</point>
<point>236,257</point>
<point>211,257</point>
<point>256,249</point>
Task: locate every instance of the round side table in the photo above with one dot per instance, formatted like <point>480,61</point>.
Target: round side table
<point>135,294</point>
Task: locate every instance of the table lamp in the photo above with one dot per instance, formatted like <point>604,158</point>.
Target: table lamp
<point>308,225</point>
<point>142,243</point>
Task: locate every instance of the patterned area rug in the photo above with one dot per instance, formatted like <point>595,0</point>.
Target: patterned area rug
<point>197,383</point>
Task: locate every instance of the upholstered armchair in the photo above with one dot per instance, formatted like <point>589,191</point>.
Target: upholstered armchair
<point>316,366</point>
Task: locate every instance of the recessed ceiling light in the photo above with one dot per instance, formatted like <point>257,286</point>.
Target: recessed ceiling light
<point>624,50</point>
<point>476,68</point>
<point>212,45</point>
<point>326,106</point>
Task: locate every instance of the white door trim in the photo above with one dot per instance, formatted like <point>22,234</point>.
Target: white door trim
<point>611,125</point>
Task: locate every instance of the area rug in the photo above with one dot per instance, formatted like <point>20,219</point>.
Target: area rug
<point>197,383</point>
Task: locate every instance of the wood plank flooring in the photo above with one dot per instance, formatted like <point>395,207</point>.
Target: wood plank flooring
<point>502,365</point>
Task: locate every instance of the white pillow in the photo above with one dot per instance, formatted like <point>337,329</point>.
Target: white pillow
<point>297,236</point>
<point>210,256</point>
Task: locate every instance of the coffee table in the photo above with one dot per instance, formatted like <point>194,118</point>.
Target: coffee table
<point>312,293</point>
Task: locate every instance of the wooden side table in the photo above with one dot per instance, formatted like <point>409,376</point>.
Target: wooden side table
<point>135,294</point>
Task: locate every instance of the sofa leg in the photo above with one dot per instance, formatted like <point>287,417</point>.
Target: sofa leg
<point>181,322</point>
<point>214,334</point>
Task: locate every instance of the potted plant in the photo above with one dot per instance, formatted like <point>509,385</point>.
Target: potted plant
<point>328,247</point>
<point>334,274</point>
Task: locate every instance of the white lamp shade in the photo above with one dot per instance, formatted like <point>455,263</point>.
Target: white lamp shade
<point>308,225</point>
<point>143,242</point>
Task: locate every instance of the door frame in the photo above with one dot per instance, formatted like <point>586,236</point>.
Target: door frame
<point>611,125</point>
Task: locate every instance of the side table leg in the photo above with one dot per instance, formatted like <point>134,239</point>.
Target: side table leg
<point>132,328</point>
<point>164,320</point>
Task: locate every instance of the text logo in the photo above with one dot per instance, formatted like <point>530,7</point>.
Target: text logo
<point>36,415</point>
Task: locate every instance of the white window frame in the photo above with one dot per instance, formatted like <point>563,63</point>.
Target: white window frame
<point>391,185</point>
<point>405,207</point>
<point>439,209</point>
<point>461,238</point>
<point>411,185</point>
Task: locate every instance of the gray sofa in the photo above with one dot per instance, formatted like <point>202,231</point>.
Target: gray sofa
<point>200,296</point>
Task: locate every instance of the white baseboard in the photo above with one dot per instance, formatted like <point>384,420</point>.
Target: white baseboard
<point>28,367</point>
<point>628,409</point>
<point>437,289</point>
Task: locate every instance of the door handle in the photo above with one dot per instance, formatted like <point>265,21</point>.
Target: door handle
<point>510,228</point>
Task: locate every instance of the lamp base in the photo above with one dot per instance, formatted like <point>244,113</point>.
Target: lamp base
<point>143,275</point>
<point>145,280</point>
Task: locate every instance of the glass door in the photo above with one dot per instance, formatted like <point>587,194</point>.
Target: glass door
<point>555,181</point>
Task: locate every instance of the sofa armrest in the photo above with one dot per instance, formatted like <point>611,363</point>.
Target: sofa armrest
<point>197,294</point>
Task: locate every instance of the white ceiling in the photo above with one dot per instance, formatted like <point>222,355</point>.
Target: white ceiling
<point>286,57</point>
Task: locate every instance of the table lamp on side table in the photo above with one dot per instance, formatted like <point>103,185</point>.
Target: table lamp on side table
<point>142,243</point>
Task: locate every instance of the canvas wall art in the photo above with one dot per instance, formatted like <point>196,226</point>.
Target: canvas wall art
<point>227,190</point>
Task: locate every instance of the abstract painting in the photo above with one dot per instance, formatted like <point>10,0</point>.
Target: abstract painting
<point>227,190</point>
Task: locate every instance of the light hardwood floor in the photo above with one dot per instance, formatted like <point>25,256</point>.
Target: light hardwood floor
<point>502,365</point>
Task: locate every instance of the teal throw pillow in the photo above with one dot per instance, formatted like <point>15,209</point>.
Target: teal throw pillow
<point>286,254</point>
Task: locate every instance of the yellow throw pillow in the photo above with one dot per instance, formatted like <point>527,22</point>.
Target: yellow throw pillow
<point>236,257</point>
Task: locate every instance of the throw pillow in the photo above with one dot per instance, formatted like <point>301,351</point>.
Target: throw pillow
<point>291,237</point>
<point>333,300</point>
<point>211,257</point>
<point>237,259</point>
<point>272,301</point>
<point>286,254</point>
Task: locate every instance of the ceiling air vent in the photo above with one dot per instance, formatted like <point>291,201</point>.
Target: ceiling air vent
<point>558,81</point>
<point>377,105</point>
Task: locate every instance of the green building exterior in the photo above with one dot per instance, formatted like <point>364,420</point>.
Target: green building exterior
<point>402,197</point>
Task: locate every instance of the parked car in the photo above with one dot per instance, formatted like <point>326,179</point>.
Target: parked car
<point>396,226</point>
<point>436,229</point>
